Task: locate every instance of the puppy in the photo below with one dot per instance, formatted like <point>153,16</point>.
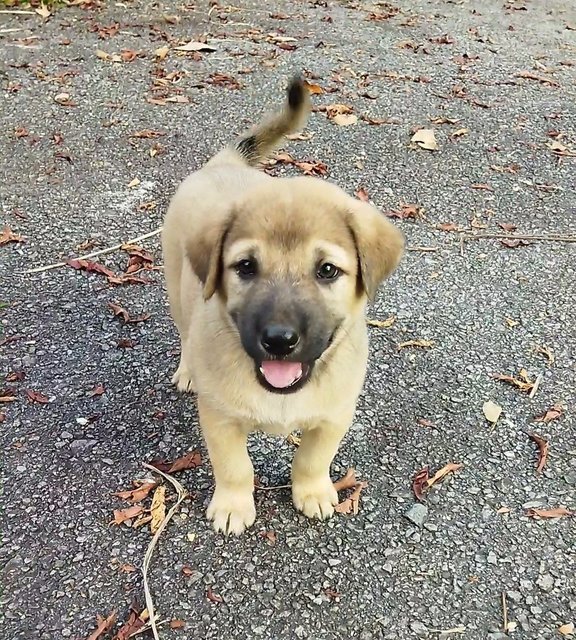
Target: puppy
<point>268,281</point>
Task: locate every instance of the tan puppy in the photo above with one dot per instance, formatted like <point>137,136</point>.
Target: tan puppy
<point>268,280</point>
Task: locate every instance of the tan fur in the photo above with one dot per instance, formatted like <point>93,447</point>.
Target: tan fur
<point>215,215</point>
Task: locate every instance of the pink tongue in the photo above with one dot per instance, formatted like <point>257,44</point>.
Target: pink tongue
<point>281,374</point>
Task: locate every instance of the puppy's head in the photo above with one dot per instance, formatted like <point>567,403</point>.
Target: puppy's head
<point>294,261</point>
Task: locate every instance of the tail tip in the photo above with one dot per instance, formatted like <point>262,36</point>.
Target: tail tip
<point>297,93</point>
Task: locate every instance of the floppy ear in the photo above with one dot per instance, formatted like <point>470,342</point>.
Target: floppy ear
<point>204,251</point>
<point>379,244</point>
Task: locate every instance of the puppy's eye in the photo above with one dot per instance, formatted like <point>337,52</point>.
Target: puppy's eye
<point>246,268</point>
<point>327,271</point>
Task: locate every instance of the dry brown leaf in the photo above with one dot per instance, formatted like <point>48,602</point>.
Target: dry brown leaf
<point>443,120</point>
<point>448,226</point>
<point>362,194</point>
<point>133,183</point>
<point>425,139</point>
<point>104,625</point>
<point>509,227</point>
<point>352,503</point>
<point>147,133</point>
<point>270,537</point>
<point>557,512</point>
<point>117,310</point>
<point>459,133</point>
<point>134,623</point>
<point>189,461</point>
<point>36,396</point>
<point>4,397</point>
<point>381,324</point>
<point>214,597</point>
<point>187,570</point>
<point>161,52</point>
<point>121,515</point>
<point>529,75</point>
<point>451,467</point>
<point>98,390</point>
<point>158,508</point>
<point>555,412</point>
<point>293,440</point>
<point>424,344</point>
<point>7,235</point>
<point>141,491</point>
<point>514,243</point>
<point>492,411</point>
<point>313,88</point>
<point>347,481</point>
<point>406,212</point>
<point>64,100</point>
<point>546,352</point>
<point>567,629</point>
<point>511,323</point>
<point>177,624</point>
<point>560,149</point>
<point>542,451</point>
<point>333,110</point>
<point>424,422</point>
<point>127,568</point>
<point>420,483</point>
<point>43,11</point>
<point>523,382</point>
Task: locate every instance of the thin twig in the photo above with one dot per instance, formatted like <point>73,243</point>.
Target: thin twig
<point>97,253</point>
<point>505,611</point>
<point>182,494</point>
<point>510,236</point>
<point>536,385</point>
<point>280,486</point>
<point>422,248</point>
<point>459,629</point>
<point>18,12</point>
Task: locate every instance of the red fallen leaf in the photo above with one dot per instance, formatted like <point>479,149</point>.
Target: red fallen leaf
<point>346,482</point>
<point>555,412</point>
<point>147,133</point>
<point>447,226</point>
<point>137,494</point>
<point>128,55</point>
<point>352,503</point>
<point>21,132</point>
<point>88,265</point>
<point>98,390</point>
<point>378,121</point>
<point>104,625</point>
<point>127,568</point>
<point>126,343</point>
<point>523,381</point>
<point>542,451</point>
<point>509,227</point>
<point>514,243</point>
<point>424,422</point>
<point>134,623</point>
<point>331,593</point>
<point>177,624</point>
<point>406,212</point>
<point>420,483</point>
<point>312,168</point>
<point>191,460</point>
<point>15,376</point>
<point>223,80</point>
<point>187,570</point>
<point>214,597</point>
<point>7,235</point>
<point>557,512</point>
<point>379,17</point>
<point>314,88</point>
<point>2,417</point>
<point>445,39</point>
<point>121,515</point>
<point>362,194</point>
<point>36,396</point>
<point>159,414</point>
<point>270,536</point>
<point>117,310</point>
<point>451,467</point>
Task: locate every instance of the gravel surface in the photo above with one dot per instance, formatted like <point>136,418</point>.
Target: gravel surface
<point>503,71</point>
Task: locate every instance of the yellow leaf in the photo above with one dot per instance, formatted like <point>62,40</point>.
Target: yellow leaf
<point>566,629</point>
<point>491,411</point>
<point>43,11</point>
<point>162,52</point>
<point>133,183</point>
<point>158,508</point>
<point>425,139</point>
<point>382,324</point>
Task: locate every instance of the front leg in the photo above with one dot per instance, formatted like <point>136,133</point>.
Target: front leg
<point>232,506</point>
<point>312,490</point>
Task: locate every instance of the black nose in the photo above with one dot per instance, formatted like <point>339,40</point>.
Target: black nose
<point>279,340</point>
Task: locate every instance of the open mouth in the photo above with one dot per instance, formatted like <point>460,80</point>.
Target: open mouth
<point>283,376</point>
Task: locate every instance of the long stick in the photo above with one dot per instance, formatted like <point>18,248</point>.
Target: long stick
<point>97,253</point>
<point>182,493</point>
<point>508,236</point>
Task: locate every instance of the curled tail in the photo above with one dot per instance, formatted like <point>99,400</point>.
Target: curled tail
<point>255,145</point>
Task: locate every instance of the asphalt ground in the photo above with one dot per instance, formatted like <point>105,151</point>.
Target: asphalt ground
<point>504,72</point>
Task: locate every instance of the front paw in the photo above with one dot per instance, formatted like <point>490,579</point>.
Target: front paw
<point>315,498</point>
<point>183,379</point>
<point>231,511</point>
